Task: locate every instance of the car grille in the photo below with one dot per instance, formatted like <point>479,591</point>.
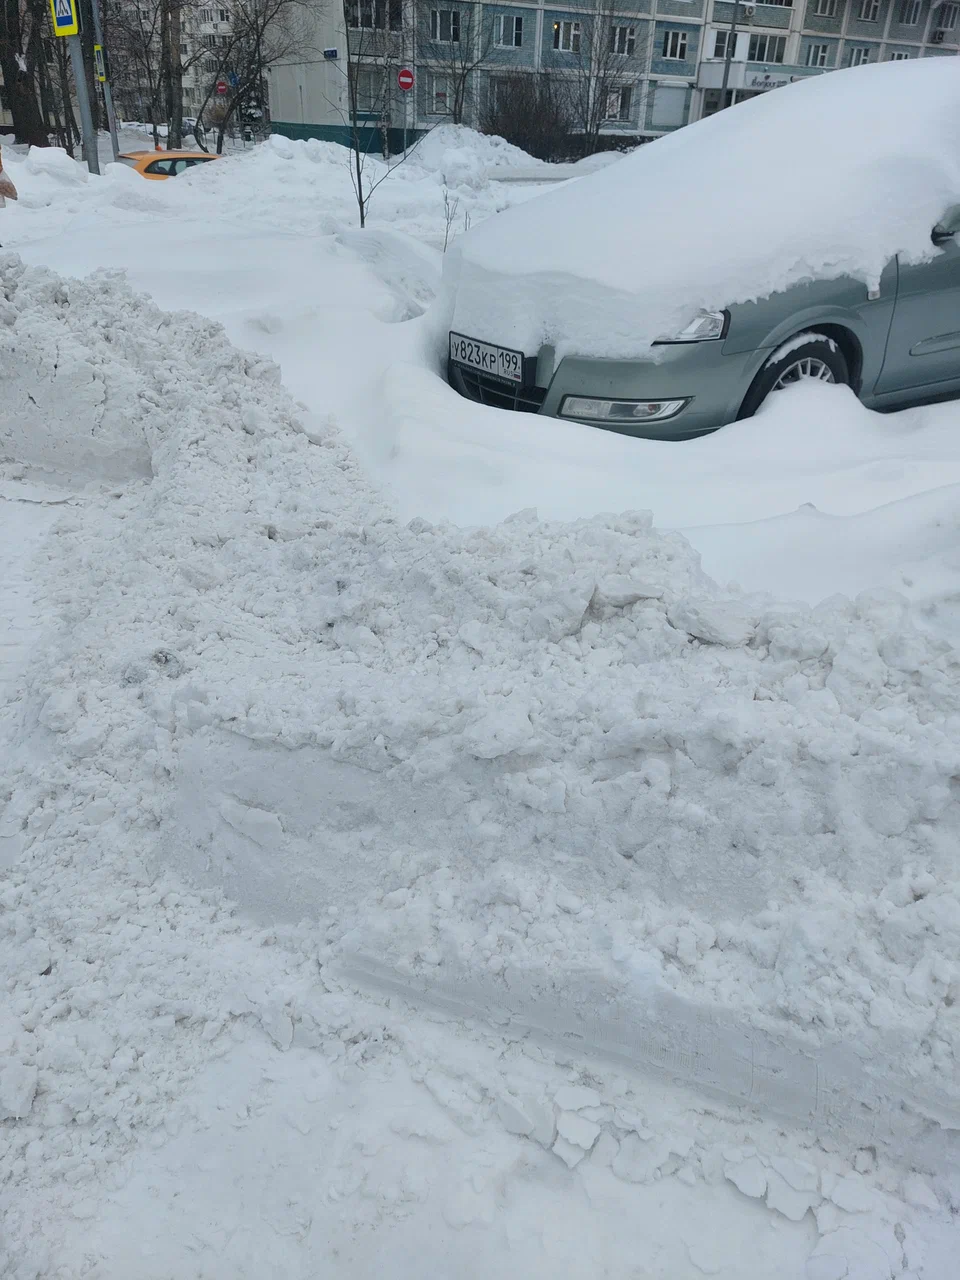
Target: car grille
<point>501,395</point>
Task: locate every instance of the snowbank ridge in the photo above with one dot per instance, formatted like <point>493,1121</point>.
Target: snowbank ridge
<point>498,752</point>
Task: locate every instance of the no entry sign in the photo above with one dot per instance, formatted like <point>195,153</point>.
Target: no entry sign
<point>405,78</point>
<point>222,86</point>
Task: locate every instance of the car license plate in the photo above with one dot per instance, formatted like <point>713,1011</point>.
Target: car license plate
<point>501,362</point>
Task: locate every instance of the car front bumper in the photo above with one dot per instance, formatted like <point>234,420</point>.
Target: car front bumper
<point>712,384</point>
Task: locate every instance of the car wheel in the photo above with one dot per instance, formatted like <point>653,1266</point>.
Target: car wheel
<point>807,356</point>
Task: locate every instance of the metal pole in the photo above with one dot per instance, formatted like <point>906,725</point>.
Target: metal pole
<point>107,95</point>
<point>83,102</point>
<point>731,43</point>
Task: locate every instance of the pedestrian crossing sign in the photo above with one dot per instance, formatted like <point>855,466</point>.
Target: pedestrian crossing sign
<point>65,19</point>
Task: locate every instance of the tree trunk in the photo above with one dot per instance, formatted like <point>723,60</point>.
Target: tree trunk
<point>48,102</point>
<point>66,102</point>
<point>174,79</point>
<point>28,124</point>
<point>86,43</point>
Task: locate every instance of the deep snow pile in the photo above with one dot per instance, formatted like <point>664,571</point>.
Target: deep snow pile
<point>313,300</point>
<point>312,179</point>
<point>511,751</point>
<point>594,270</point>
<point>550,745</point>
<point>461,156</point>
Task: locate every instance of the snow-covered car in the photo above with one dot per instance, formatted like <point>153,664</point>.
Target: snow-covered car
<point>159,165</point>
<point>809,233</point>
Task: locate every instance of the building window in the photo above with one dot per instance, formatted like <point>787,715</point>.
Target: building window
<point>720,42</point>
<point>817,55</point>
<point>899,57</point>
<point>205,15</point>
<point>440,95</point>
<point>780,4</point>
<point>910,13</point>
<point>364,15</point>
<point>508,31</point>
<point>869,10</point>
<point>826,8</point>
<point>366,86</point>
<point>948,17</point>
<point>372,15</point>
<point>859,55</point>
<point>618,103</point>
<point>566,37</point>
<point>223,15</point>
<point>767,48</point>
<point>210,66</point>
<point>623,40</point>
<point>445,26</point>
<point>675,45</point>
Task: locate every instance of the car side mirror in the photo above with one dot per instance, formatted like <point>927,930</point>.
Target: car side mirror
<point>947,227</point>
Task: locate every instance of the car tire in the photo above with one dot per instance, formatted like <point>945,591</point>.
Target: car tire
<point>807,355</point>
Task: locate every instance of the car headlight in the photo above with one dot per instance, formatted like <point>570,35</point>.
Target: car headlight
<point>619,410</point>
<point>706,326</point>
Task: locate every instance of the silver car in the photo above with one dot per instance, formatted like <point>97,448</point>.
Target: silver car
<point>896,345</point>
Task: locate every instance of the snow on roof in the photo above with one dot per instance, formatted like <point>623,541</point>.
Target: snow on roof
<point>826,177</point>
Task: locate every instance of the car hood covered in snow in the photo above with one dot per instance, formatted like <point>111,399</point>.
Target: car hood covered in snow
<point>827,177</point>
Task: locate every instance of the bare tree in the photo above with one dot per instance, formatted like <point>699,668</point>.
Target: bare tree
<point>262,33</point>
<point>456,42</point>
<point>374,44</point>
<point>21,49</point>
<point>134,32</point>
<point>171,69</point>
<point>533,110</point>
<point>606,76</point>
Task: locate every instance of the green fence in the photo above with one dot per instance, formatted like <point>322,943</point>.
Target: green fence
<point>371,138</point>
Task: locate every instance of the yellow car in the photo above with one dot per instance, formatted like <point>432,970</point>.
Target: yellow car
<point>156,165</point>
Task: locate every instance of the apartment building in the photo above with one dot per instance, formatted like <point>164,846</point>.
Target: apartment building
<point>205,32</point>
<point>135,53</point>
<point>662,61</point>
<point>776,43</point>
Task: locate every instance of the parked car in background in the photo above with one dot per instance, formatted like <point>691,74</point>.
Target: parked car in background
<point>164,164</point>
<point>676,290</point>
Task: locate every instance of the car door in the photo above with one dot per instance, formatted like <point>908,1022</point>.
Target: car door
<point>923,349</point>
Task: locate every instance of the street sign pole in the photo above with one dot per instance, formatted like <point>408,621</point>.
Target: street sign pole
<point>405,82</point>
<point>103,77</point>
<point>83,102</point>
<point>66,25</point>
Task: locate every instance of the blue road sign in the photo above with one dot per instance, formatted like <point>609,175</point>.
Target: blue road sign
<point>65,19</point>
<point>234,79</point>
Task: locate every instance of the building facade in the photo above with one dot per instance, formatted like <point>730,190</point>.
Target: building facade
<point>135,55</point>
<point>655,64</point>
